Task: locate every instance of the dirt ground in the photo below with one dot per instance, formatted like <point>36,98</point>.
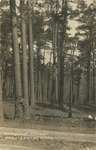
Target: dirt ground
<point>51,145</point>
<point>45,118</point>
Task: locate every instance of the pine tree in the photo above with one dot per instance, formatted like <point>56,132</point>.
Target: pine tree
<point>24,57</point>
<point>31,53</point>
<point>16,59</point>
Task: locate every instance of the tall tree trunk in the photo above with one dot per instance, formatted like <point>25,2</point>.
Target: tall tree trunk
<point>56,68</point>
<point>88,68</point>
<point>94,72</point>
<point>71,86</point>
<point>55,77</point>
<point>16,59</point>
<point>38,74</point>
<point>88,79</point>
<point>39,88</point>
<point>62,48</point>
<point>70,95</point>
<point>78,90</point>
<point>1,99</point>
<point>43,76</point>
<point>31,55</point>
<point>25,67</point>
<point>73,98</point>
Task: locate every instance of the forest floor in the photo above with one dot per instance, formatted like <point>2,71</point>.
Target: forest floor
<point>79,132</point>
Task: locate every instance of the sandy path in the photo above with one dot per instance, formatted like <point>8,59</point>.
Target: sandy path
<point>11,147</point>
<point>29,134</point>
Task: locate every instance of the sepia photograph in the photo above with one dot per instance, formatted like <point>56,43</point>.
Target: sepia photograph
<point>47,74</point>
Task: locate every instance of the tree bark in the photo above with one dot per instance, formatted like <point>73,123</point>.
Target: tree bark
<point>25,67</point>
<point>70,95</point>
<point>62,48</point>
<point>1,99</point>
<point>16,59</point>
<point>31,55</point>
<point>94,72</point>
<point>56,69</point>
<point>88,68</point>
<point>71,86</point>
